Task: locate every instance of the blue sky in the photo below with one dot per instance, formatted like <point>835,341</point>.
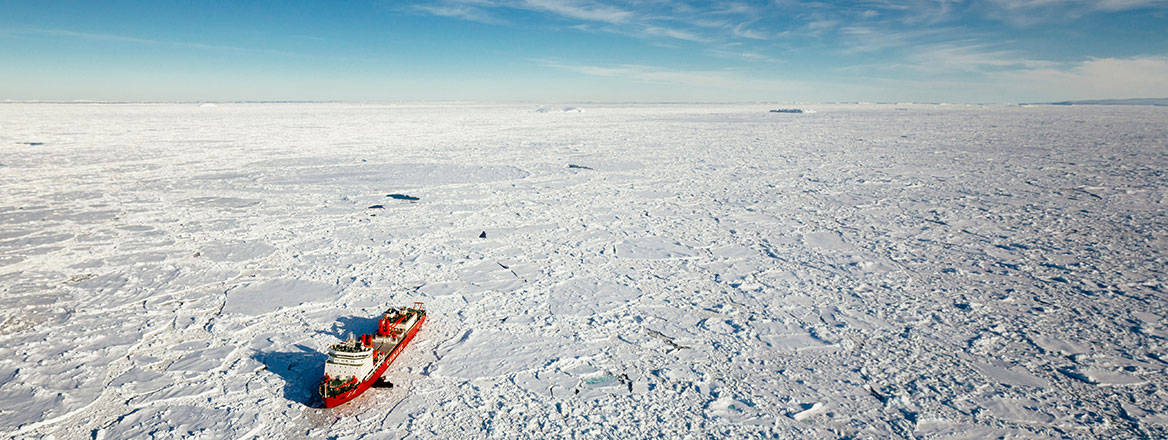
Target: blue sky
<point>585,50</point>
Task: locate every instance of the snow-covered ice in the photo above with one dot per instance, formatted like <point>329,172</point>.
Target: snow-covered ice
<point>629,271</point>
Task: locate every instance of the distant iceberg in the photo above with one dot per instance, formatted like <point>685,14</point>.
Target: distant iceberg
<point>543,109</point>
<point>1130,101</point>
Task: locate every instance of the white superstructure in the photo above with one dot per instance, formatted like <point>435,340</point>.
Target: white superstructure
<point>348,360</point>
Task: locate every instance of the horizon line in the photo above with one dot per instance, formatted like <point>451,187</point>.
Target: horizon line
<point>531,102</point>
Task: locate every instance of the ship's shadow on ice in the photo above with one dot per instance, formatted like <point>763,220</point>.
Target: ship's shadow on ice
<point>356,325</point>
<point>300,370</point>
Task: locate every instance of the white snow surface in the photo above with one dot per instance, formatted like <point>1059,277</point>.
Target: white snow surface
<point>701,271</point>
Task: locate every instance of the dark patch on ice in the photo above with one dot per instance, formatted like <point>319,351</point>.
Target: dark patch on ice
<point>787,110</point>
<point>1087,193</point>
<point>578,167</point>
<point>911,416</point>
<point>300,371</point>
<point>376,207</point>
<point>80,277</point>
<point>382,383</point>
<point>666,339</point>
<point>483,235</point>
<point>1008,265</point>
<point>1055,266</point>
<point>1076,375</point>
<point>767,250</point>
<point>948,270</point>
<point>881,397</point>
<point>401,197</point>
<point>357,325</point>
<point>32,144</point>
<point>962,306</point>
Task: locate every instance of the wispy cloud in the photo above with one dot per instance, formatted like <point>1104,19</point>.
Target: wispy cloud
<point>1031,12</point>
<point>733,8</point>
<point>935,40</point>
<point>674,33</point>
<point>464,12</point>
<point>1101,5</point>
<point>743,30</point>
<point>696,78</point>
<point>1038,80</point>
<point>476,10</point>
<point>1094,78</point>
<point>646,20</point>
<point>189,45</point>
<point>937,60</point>
<point>1123,5</point>
<point>864,39</point>
<point>590,11</point>
<point>927,12</point>
<point>743,55</point>
<point>728,82</point>
<point>63,33</point>
<point>967,57</point>
<point>911,12</point>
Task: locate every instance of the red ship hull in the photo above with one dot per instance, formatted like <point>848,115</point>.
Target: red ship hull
<point>330,402</point>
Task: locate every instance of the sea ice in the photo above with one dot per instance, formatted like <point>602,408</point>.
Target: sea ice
<point>647,271</point>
